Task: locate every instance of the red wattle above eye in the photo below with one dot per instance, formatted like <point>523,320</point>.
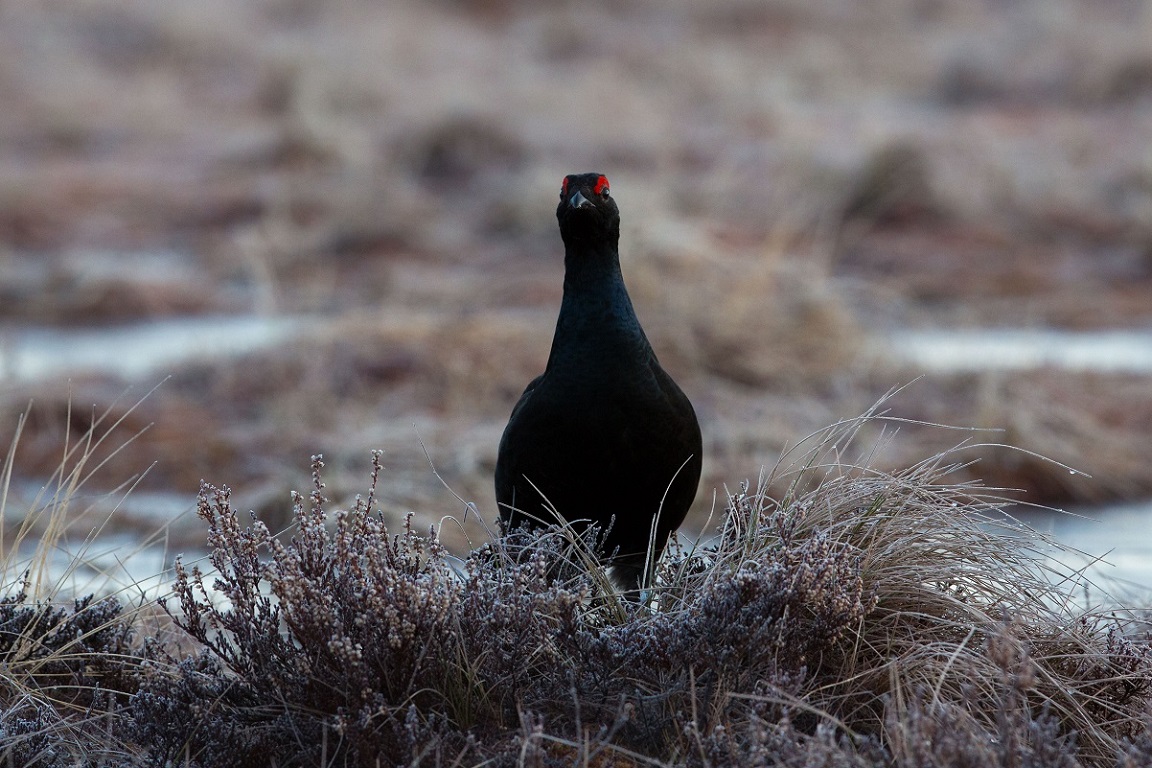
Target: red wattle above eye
<point>601,185</point>
<point>564,187</point>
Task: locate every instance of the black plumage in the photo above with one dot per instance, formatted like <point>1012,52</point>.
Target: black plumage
<point>604,435</point>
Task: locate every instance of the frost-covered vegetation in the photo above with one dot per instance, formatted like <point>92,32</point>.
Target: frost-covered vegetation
<point>862,618</point>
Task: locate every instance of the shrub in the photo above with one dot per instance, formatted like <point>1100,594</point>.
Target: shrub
<point>863,619</point>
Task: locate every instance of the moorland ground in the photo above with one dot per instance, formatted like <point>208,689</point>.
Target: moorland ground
<point>796,179</point>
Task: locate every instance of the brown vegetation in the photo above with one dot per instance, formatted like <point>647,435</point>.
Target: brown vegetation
<point>796,179</point>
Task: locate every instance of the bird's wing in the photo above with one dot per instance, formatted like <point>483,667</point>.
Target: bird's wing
<point>524,397</point>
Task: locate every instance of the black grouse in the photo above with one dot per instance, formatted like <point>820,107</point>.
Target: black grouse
<point>604,436</point>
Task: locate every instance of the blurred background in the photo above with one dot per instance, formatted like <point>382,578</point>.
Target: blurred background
<point>326,226</point>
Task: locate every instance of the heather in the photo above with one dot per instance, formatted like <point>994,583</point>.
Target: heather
<point>860,618</point>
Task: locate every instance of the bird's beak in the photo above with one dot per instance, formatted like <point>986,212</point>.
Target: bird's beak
<point>578,200</point>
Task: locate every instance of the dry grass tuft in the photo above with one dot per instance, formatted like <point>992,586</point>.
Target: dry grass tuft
<point>1046,424</point>
<point>69,663</point>
<point>760,315</point>
<point>969,631</point>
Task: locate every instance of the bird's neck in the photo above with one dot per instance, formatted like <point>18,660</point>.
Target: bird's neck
<point>596,319</point>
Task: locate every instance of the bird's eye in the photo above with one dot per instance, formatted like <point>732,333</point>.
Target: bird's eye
<point>601,187</point>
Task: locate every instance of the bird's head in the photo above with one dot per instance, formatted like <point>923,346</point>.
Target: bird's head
<point>587,211</point>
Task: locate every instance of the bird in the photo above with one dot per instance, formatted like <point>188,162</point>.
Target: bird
<point>604,437</point>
